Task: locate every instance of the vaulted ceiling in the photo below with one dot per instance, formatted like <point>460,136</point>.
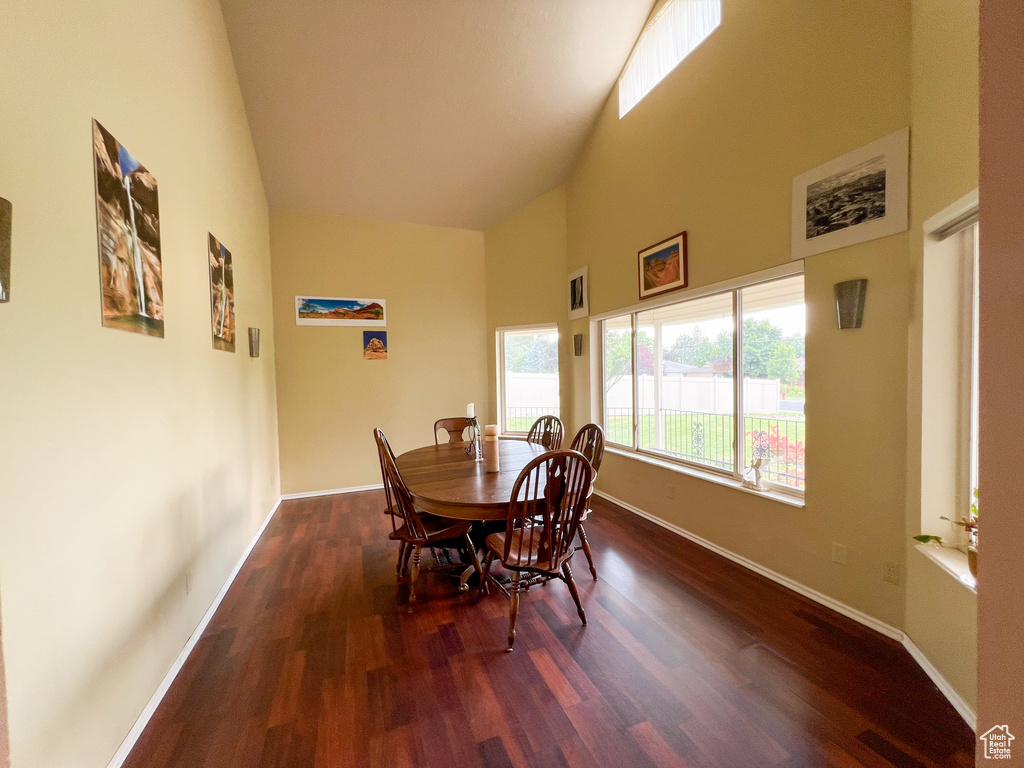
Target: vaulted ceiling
<point>444,112</point>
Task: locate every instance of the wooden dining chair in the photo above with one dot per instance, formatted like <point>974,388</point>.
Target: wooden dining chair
<point>548,499</point>
<point>547,431</point>
<point>390,508</point>
<point>455,427</point>
<point>415,529</point>
<point>590,442</point>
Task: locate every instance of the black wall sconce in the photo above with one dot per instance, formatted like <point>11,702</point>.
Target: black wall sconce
<point>577,345</point>
<point>850,298</point>
<point>254,342</point>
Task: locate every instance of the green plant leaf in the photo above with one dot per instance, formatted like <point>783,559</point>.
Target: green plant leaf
<point>925,539</point>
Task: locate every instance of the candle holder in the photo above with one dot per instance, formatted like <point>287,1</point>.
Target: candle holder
<point>474,449</point>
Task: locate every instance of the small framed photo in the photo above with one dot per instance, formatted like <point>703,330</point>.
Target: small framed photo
<point>579,303</point>
<point>854,198</point>
<point>662,267</point>
<point>375,345</point>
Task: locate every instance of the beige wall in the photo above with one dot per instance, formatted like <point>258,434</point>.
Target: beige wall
<point>713,150</point>
<point>1001,599</point>
<point>134,470</point>
<point>526,283</point>
<point>329,397</point>
<point>5,745</point>
<point>941,614</point>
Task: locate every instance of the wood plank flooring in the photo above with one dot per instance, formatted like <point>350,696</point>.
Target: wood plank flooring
<point>688,660</point>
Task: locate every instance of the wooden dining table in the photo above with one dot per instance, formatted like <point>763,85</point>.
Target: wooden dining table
<point>445,481</point>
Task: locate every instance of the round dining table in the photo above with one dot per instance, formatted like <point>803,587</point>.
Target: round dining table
<point>445,481</point>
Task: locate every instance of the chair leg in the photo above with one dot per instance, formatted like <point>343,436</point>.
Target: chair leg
<point>471,548</point>
<point>400,567</point>
<point>414,574</point>
<point>484,573</point>
<point>405,559</point>
<point>586,551</point>
<point>567,575</point>
<point>513,609</point>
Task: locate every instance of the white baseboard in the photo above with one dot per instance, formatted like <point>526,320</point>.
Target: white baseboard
<point>879,626</point>
<point>140,724</point>
<point>829,602</point>
<point>954,698</point>
<point>332,491</point>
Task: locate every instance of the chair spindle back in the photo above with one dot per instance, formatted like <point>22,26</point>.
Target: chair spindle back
<point>590,442</point>
<point>399,500</point>
<point>548,499</point>
<point>548,431</point>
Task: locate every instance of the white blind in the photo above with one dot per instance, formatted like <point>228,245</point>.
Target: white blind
<point>680,27</point>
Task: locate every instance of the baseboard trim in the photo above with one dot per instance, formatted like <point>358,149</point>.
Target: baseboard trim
<point>143,720</point>
<point>954,698</point>
<point>818,597</point>
<point>332,491</point>
<point>812,594</point>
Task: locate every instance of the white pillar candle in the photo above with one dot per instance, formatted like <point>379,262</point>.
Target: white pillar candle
<point>471,410</point>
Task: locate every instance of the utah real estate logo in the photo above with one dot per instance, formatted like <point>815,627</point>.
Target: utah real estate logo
<point>997,742</point>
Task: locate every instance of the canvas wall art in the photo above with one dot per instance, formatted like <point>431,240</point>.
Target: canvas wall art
<point>6,216</point>
<point>222,295</point>
<point>579,304</point>
<point>663,266</point>
<point>857,197</point>
<point>318,310</point>
<point>375,345</point>
<point>128,233</point>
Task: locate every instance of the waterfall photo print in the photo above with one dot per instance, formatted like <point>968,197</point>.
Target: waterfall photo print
<point>222,296</point>
<point>128,234</point>
<point>5,250</point>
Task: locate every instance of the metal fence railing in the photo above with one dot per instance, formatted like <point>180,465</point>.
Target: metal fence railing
<point>520,419</point>
<point>780,443</point>
<point>707,439</point>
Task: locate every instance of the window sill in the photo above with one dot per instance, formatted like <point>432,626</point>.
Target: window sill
<point>729,482</point>
<point>952,561</point>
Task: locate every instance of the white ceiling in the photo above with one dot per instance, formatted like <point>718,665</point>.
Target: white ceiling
<point>445,112</point>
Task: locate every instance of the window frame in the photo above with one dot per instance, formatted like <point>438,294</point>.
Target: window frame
<point>947,383</point>
<point>499,340</point>
<point>735,287</point>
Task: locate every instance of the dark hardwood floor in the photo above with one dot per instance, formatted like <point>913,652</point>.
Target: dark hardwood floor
<point>688,660</point>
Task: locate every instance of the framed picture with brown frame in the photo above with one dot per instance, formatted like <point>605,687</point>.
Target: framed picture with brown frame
<point>662,267</point>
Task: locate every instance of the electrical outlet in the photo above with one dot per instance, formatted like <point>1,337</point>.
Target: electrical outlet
<point>670,491</point>
<point>891,573</point>
<point>838,553</point>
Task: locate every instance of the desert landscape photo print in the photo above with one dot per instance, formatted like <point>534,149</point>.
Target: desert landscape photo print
<point>375,345</point>
<point>317,310</point>
<point>663,266</point>
<point>846,199</point>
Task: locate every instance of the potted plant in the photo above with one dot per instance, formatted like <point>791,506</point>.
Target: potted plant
<point>970,525</point>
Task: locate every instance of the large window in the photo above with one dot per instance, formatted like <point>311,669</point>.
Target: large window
<point>528,373</point>
<point>687,382</point>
